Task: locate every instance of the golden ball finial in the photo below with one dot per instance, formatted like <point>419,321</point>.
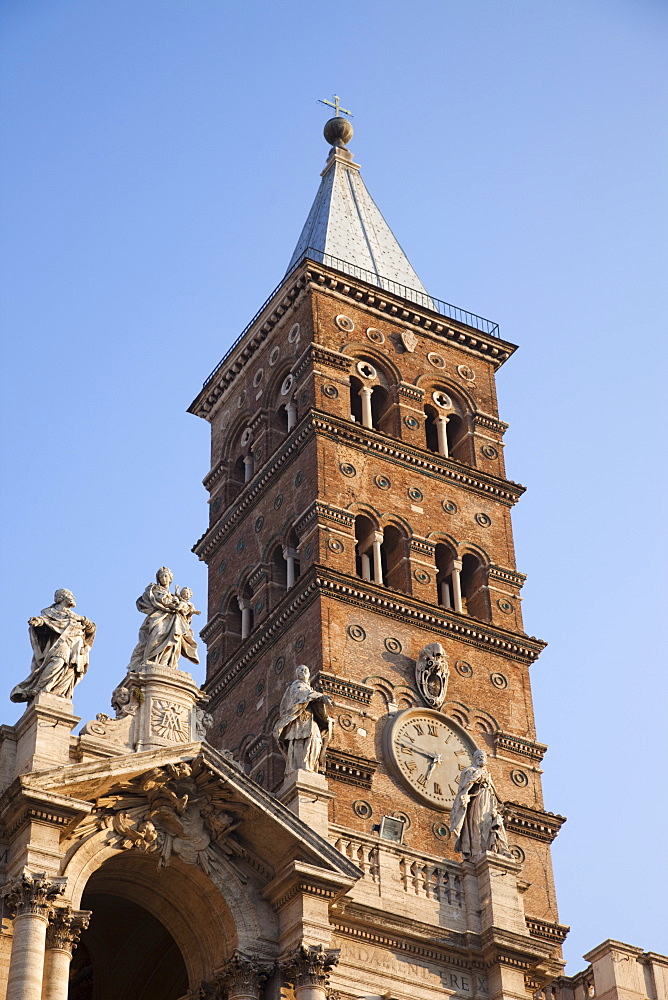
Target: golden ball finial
<point>338,131</point>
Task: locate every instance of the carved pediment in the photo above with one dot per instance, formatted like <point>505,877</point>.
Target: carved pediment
<point>194,804</point>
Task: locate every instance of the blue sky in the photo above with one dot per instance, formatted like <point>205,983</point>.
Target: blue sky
<point>159,161</point>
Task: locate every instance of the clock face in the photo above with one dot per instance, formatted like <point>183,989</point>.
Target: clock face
<point>428,752</point>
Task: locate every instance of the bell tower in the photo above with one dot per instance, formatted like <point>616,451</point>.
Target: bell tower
<point>360,523</point>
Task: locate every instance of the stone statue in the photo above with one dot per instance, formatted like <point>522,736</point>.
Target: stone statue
<point>61,642</point>
<point>476,819</point>
<point>304,725</point>
<point>431,674</point>
<point>166,633</point>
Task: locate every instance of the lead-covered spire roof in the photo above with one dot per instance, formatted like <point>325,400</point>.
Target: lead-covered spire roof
<point>345,223</point>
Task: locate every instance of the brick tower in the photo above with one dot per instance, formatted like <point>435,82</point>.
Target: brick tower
<point>360,517</point>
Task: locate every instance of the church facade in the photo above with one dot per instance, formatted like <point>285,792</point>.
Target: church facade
<point>351,806</point>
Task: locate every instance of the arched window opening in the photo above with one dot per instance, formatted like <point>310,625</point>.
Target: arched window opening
<point>368,564</point>
<point>394,559</point>
<point>447,579</point>
<point>279,421</point>
<point>379,407</point>
<point>232,625</point>
<point>475,598</point>
<point>458,445</point>
<point>355,400</point>
<point>279,575</point>
<point>291,557</point>
<point>431,433</point>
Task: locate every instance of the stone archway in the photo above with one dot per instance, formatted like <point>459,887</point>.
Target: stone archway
<point>154,932</point>
<point>126,952</point>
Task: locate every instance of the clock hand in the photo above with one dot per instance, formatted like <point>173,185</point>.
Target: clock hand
<point>435,759</point>
<point>423,753</point>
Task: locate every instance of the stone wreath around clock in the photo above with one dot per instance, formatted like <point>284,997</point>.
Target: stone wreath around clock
<point>428,752</point>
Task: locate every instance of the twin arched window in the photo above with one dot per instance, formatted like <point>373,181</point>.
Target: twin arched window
<point>382,557</point>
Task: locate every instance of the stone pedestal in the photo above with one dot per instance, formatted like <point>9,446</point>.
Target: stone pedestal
<point>43,733</point>
<point>307,795</point>
<point>167,710</point>
<point>501,904</point>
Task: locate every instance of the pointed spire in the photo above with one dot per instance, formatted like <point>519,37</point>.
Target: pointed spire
<point>345,224</point>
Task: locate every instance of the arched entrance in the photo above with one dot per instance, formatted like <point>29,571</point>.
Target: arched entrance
<point>153,933</point>
<point>126,952</point>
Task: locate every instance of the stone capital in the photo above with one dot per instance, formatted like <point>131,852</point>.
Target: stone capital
<point>243,976</point>
<point>33,893</point>
<point>310,965</point>
<point>65,927</point>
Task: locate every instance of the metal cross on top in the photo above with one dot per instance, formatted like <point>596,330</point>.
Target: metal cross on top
<point>338,110</point>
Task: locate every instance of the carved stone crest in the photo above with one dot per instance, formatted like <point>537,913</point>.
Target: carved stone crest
<point>176,809</point>
<point>431,674</point>
<point>409,340</point>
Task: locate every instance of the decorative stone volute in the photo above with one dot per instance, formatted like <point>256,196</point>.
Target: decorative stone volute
<point>243,977</point>
<point>65,927</point>
<point>33,893</point>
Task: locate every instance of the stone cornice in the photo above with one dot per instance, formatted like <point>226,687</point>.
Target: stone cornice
<point>490,423</point>
<point>422,545</point>
<point>506,575</point>
<point>401,607</point>
<point>344,688</point>
<point>431,324</point>
<point>534,823</point>
<point>379,302</point>
<point>318,354</point>
<point>546,930</point>
<point>326,512</point>
<point>445,469</point>
<point>320,581</point>
<point>520,745</point>
<point>403,934</point>
<point>253,491</point>
<point>412,392</point>
<point>234,362</point>
<point>21,804</point>
<point>364,439</point>
<point>350,768</point>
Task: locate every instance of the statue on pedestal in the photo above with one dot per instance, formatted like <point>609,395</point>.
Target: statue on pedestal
<point>475,819</point>
<point>166,633</point>
<point>61,642</point>
<point>304,725</point>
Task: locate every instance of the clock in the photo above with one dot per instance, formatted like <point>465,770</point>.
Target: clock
<point>427,751</point>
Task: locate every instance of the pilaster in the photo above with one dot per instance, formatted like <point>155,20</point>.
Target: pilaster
<point>307,970</point>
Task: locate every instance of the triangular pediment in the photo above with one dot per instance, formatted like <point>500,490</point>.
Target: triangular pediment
<point>168,800</point>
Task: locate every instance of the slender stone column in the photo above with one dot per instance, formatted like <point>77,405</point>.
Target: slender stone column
<point>62,933</point>
<point>442,435</point>
<point>377,561</point>
<point>289,556</point>
<point>366,566</point>
<point>445,594</point>
<point>307,969</point>
<point>248,468</point>
<point>30,899</point>
<point>245,606</point>
<point>291,410</point>
<point>367,415</point>
<point>243,976</point>
<point>457,585</point>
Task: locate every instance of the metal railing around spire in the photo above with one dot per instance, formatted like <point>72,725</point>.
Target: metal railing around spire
<point>415,296</point>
